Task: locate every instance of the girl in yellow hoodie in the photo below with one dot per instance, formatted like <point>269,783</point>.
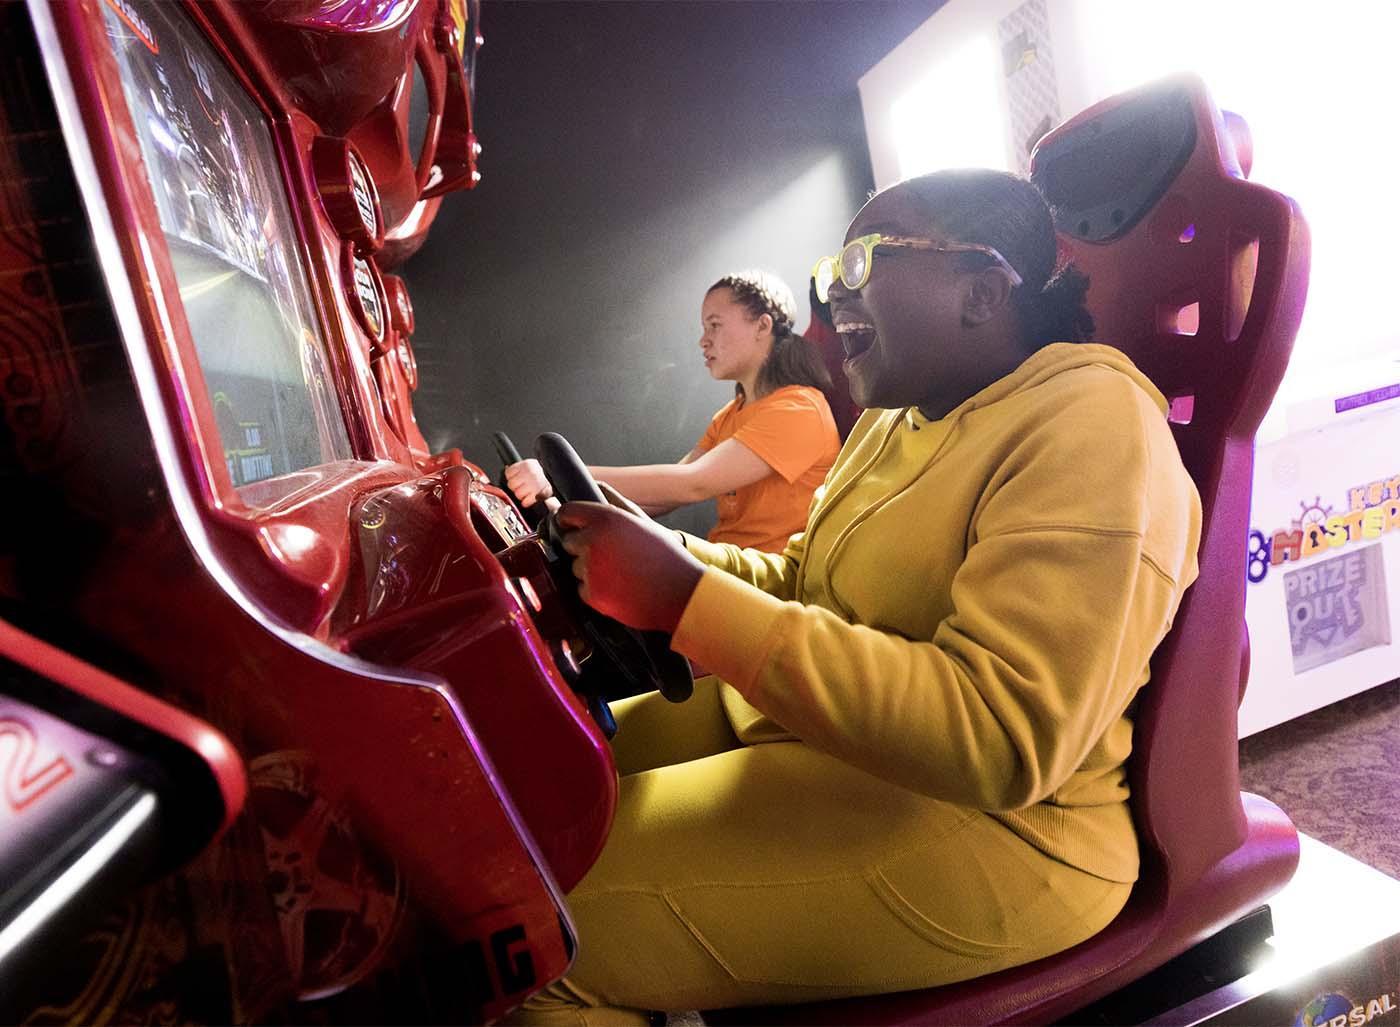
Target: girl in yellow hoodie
<point>913,771</point>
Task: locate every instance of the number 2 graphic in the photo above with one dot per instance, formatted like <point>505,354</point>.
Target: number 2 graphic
<point>22,775</point>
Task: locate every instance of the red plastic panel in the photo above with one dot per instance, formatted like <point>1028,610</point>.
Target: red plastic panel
<point>380,850</point>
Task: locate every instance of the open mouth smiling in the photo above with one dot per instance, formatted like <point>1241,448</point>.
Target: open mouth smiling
<point>856,336</point>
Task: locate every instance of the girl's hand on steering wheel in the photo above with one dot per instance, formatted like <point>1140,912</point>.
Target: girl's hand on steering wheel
<point>526,479</point>
<point>629,568</point>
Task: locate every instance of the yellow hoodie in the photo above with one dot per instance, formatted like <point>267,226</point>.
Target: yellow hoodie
<point>973,604</point>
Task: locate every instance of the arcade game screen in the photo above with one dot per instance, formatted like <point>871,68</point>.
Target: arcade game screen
<point>213,168</point>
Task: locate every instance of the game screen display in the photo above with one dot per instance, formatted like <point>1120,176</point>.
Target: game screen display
<point>213,168</point>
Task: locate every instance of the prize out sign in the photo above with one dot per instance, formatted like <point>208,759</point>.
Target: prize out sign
<point>1336,607</point>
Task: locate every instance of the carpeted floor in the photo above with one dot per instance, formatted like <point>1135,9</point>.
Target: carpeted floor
<point>1336,772</point>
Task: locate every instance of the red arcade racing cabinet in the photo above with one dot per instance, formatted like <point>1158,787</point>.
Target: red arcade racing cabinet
<point>288,718</point>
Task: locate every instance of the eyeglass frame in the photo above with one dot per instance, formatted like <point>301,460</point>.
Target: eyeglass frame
<point>870,242</point>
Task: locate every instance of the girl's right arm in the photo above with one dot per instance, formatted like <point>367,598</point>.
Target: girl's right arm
<point>658,488</point>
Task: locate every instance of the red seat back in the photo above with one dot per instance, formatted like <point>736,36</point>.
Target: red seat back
<point>822,334</point>
<point>1200,276</point>
<point>1202,284</point>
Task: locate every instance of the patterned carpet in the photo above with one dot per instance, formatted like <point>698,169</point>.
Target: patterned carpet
<point>1336,772</point>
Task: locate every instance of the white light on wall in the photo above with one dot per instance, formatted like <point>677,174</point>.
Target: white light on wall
<point>1313,82</point>
<point>953,117</point>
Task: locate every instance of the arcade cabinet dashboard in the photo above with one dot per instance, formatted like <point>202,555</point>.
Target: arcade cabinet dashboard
<point>229,504</point>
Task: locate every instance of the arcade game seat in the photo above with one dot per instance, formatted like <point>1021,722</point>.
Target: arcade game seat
<point>821,333</point>
<point>1200,276</point>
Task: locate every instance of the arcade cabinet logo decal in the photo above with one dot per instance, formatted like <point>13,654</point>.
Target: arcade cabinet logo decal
<point>1336,606</point>
<point>135,22</point>
<point>1374,510</point>
<point>1334,1010</point>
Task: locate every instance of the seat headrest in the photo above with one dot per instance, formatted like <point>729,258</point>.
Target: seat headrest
<point>1196,273</point>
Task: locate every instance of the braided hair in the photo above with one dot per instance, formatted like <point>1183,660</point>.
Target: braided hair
<point>791,361</point>
<point>1008,213</point>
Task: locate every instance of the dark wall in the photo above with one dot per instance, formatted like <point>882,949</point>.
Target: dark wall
<point>633,153</point>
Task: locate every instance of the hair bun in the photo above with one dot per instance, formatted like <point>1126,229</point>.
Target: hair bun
<point>1061,310</point>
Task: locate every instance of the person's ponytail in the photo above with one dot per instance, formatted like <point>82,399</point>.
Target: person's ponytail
<point>1058,313</point>
<point>792,361</point>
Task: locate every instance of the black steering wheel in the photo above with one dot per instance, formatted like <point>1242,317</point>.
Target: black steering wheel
<point>625,661</point>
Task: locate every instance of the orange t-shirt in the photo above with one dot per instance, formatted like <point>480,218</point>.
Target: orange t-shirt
<point>792,431</point>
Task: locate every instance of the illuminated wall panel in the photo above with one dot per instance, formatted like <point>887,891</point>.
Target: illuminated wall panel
<point>1314,82</point>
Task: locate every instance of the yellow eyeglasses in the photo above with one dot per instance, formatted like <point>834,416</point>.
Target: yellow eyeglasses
<point>852,264</point>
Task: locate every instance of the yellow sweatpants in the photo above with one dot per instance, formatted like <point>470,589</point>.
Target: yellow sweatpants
<point>749,874</point>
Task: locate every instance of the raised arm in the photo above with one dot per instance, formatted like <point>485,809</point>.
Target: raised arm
<point>662,487</point>
<point>658,488</point>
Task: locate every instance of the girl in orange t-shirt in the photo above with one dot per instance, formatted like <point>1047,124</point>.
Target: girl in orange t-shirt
<point>766,451</point>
